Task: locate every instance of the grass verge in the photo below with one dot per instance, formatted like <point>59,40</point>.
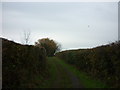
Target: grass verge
<point>87,81</point>
<point>57,77</point>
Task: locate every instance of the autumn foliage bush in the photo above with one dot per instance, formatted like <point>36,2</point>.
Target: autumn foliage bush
<point>102,62</point>
<point>21,63</point>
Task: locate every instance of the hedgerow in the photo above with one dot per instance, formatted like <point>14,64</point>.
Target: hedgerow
<point>102,62</point>
<point>21,63</point>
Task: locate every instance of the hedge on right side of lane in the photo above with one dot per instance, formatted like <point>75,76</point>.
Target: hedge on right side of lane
<point>102,62</point>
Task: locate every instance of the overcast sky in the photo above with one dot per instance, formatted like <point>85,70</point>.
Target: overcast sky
<point>73,25</point>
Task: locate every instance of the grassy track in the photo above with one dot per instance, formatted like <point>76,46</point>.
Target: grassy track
<point>62,75</point>
<point>86,80</point>
<point>59,78</point>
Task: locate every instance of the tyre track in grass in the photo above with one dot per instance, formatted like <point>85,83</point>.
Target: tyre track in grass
<point>65,78</point>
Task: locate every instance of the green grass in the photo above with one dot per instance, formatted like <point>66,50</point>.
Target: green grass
<point>54,66</point>
<point>86,81</point>
<point>57,77</point>
<point>51,71</point>
<point>58,73</point>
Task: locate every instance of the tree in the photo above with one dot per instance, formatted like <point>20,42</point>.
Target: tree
<point>26,37</point>
<point>50,45</point>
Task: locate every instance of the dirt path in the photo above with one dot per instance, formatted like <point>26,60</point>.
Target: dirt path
<point>64,77</point>
<point>75,81</point>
